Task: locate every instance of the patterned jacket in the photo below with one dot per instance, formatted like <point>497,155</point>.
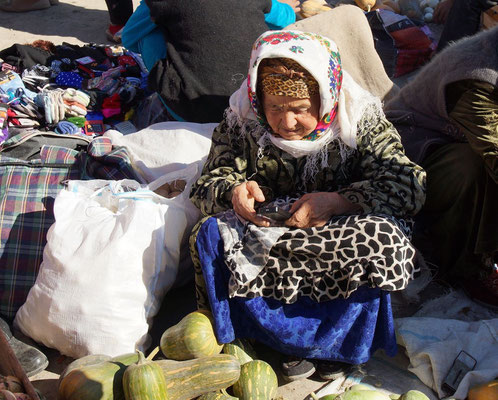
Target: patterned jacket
<point>376,175</point>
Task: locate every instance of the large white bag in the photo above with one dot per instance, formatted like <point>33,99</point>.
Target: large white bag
<point>110,257</point>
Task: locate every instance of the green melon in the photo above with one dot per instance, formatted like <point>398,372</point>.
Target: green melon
<point>257,381</point>
<point>192,337</point>
<point>240,349</point>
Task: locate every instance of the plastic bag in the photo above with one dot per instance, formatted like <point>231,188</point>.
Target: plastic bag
<point>110,257</point>
<point>150,111</point>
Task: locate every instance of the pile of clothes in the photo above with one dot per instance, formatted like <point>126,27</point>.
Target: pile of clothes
<point>69,89</point>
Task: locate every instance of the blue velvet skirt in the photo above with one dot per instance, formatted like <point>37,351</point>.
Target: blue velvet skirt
<point>347,330</point>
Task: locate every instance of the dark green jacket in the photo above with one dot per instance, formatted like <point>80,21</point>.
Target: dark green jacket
<point>377,174</point>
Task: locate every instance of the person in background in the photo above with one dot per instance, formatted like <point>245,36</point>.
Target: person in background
<point>448,120</point>
<point>144,37</point>
<point>26,5</point>
<point>208,44</point>
<point>314,285</point>
<point>460,18</point>
<point>120,12</point>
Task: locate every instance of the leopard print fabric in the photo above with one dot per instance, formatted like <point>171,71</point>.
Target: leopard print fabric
<point>285,77</point>
<point>321,263</point>
<point>280,85</point>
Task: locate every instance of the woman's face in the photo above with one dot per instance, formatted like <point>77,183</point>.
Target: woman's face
<point>289,117</point>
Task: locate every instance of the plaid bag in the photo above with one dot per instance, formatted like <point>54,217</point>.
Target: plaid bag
<point>33,167</point>
<point>401,44</point>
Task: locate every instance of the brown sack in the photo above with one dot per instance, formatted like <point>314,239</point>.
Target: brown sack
<point>348,27</point>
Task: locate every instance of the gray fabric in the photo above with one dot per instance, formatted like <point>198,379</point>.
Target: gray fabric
<point>474,57</point>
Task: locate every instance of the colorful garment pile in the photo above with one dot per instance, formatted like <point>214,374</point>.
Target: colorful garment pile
<point>66,88</point>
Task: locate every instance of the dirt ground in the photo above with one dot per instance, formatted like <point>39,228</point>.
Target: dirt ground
<point>80,22</point>
<point>71,21</point>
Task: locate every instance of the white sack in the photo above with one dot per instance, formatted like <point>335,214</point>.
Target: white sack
<point>111,255</point>
<point>165,147</point>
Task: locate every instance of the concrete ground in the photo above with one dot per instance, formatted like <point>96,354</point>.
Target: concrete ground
<point>85,21</point>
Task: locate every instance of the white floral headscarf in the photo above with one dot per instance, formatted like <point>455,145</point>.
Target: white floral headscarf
<point>340,96</point>
<point>343,103</point>
<point>315,54</point>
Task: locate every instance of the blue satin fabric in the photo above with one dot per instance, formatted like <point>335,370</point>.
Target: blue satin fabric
<point>348,330</point>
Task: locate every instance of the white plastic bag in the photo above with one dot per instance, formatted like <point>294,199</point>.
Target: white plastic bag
<point>110,257</point>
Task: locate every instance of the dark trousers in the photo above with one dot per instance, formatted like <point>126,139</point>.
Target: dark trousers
<point>463,20</point>
<point>460,216</point>
<point>119,11</point>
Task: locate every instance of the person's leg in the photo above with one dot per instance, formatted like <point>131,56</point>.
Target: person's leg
<point>455,192</point>
<point>142,36</point>
<point>463,20</point>
<point>119,11</point>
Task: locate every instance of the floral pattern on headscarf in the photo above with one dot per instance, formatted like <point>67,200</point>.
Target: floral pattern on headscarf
<point>318,55</point>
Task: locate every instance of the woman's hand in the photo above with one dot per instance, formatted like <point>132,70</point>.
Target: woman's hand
<point>295,4</point>
<point>315,209</point>
<point>244,197</point>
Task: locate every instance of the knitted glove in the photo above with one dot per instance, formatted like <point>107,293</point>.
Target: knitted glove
<point>74,109</point>
<point>78,96</point>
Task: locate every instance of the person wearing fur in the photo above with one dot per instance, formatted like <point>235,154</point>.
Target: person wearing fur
<point>448,120</point>
<point>302,135</point>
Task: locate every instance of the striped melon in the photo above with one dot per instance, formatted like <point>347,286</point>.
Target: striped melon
<point>91,359</point>
<point>144,380</point>
<point>192,378</point>
<point>217,396</point>
<point>192,337</point>
<point>240,349</point>
<point>92,379</point>
<point>257,381</point>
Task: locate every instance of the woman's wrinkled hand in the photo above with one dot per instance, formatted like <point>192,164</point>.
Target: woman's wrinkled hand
<point>244,198</point>
<point>295,4</point>
<point>315,209</point>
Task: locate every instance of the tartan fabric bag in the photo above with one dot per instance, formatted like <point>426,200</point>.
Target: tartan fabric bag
<point>33,167</point>
<point>401,44</point>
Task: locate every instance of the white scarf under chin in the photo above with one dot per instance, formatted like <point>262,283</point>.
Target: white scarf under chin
<point>354,103</point>
<point>300,148</point>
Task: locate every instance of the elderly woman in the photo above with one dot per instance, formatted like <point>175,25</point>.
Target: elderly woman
<point>302,135</point>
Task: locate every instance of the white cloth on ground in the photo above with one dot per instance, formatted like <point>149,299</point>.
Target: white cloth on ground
<point>165,147</point>
<point>435,335</point>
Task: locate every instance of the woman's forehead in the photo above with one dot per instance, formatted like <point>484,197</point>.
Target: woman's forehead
<point>288,101</point>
